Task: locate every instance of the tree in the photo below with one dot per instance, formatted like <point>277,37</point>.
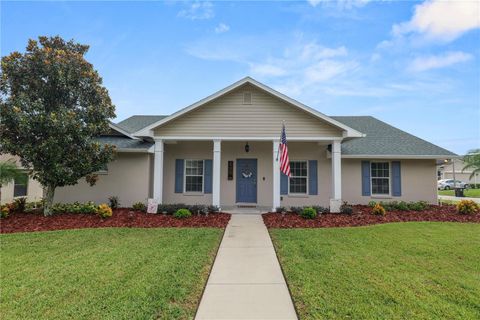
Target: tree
<point>472,161</point>
<point>52,106</point>
<point>9,173</point>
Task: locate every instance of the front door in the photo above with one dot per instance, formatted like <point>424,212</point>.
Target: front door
<point>247,180</point>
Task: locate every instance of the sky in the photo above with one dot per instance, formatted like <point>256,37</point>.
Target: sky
<point>412,64</point>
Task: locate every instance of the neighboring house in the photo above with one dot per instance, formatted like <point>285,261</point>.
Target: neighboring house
<point>445,169</point>
<point>223,149</point>
<point>31,189</point>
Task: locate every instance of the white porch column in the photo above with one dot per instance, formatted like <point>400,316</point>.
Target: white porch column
<point>276,176</point>
<point>336,200</point>
<point>217,148</point>
<point>158,171</point>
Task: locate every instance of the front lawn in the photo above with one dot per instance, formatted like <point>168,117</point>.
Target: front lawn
<point>471,193</point>
<point>112,273</point>
<point>414,270</point>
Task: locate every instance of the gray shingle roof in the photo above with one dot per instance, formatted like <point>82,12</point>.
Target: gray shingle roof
<point>126,143</point>
<point>137,122</point>
<point>384,139</point>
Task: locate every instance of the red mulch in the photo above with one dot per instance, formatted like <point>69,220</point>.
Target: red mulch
<point>362,216</point>
<point>27,222</point>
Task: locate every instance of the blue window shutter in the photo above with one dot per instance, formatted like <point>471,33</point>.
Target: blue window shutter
<point>179,163</point>
<point>207,172</point>
<point>283,183</point>
<point>396,179</point>
<point>365,178</point>
<point>312,177</point>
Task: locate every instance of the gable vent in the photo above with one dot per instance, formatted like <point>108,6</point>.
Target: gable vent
<point>247,97</point>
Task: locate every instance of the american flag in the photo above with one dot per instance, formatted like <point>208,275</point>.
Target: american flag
<point>283,150</point>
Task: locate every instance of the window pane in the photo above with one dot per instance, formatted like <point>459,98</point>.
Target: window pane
<point>194,167</point>
<point>298,185</point>
<point>380,186</point>
<point>380,170</point>
<point>193,183</point>
<point>298,168</point>
<point>20,189</point>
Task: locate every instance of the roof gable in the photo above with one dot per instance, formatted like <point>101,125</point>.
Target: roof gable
<point>348,131</point>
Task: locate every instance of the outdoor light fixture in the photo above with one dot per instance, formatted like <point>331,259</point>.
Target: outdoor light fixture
<point>247,147</point>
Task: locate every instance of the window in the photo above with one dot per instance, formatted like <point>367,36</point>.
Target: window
<point>193,175</point>
<point>298,177</point>
<point>20,187</point>
<point>380,172</point>
<point>103,169</point>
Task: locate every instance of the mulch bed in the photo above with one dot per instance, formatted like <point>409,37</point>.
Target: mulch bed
<point>27,222</point>
<point>362,216</point>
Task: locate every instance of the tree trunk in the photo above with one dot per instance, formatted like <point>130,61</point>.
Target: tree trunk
<point>47,207</point>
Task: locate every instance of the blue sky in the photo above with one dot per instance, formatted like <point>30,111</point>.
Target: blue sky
<point>415,65</point>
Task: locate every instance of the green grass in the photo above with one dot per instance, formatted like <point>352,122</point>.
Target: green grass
<point>420,270</point>
<point>105,273</point>
<point>471,193</point>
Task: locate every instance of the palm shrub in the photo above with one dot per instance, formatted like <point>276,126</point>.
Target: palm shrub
<point>472,162</point>
<point>139,206</point>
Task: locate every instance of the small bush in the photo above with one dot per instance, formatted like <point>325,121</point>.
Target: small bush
<point>213,209</point>
<point>114,202</point>
<point>297,210</point>
<point>467,207</point>
<point>182,213</point>
<point>418,206</point>
<point>308,213</point>
<point>104,211</point>
<point>320,209</point>
<point>378,210</point>
<point>280,209</point>
<point>4,211</point>
<point>198,209</point>
<point>372,203</point>
<point>402,206</point>
<point>20,204</point>
<point>345,208</point>
<point>139,206</point>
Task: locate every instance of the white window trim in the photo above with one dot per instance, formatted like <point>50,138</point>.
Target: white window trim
<point>389,180</point>
<point>308,182</point>
<point>185,177</point>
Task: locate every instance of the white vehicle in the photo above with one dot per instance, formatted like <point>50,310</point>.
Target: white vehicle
<point>447,184</point>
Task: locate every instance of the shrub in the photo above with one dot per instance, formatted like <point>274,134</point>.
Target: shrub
<point>297,210</point>
<point>88,207</point>
<point>372,203</point>
<point>139,206</point>
<point>4,211</point>
<point>345,208</point>
<point>467,207</point>
<point>213,209</point>
<point>280,209</point>
<point>182,213</point>
<point>20,204</point>
<point>104,210</point>
<point>308,213</point>
<point>114,202</point>
<point>378,210</point>
<point>418,206</point>
<point>320,209</point>
<point>198,209</point>
<point>402,206</point>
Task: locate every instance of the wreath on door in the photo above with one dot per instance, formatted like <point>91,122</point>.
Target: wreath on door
<point>247,174</point>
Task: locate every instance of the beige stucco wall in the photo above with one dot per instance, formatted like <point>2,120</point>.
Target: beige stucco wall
<point>227,116</point>
<point>34,188</point>
<point>419,182</point>
<point>128,178</point>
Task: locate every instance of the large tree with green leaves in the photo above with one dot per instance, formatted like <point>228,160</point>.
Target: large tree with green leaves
<point>472,162</point>
<point>52,107</point>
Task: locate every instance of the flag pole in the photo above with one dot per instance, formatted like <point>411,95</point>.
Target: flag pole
<point>283,126</point>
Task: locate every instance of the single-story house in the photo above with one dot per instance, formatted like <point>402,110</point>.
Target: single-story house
<point>447,169</point>
<point>223,150</point>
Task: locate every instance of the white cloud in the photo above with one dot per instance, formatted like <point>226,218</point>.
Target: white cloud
<point>198,10</point>
<point>441,20</point>
<point>267,70</point>
<point>425,63</point>
<point>221,28</point>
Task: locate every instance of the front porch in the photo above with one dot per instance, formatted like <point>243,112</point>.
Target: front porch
<point>236,174</point>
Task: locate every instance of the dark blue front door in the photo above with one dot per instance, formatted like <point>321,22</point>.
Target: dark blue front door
<point>247,180</point>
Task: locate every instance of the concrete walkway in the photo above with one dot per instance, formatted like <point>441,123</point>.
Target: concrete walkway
<point>246,281</point>
<point>451,198</point>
